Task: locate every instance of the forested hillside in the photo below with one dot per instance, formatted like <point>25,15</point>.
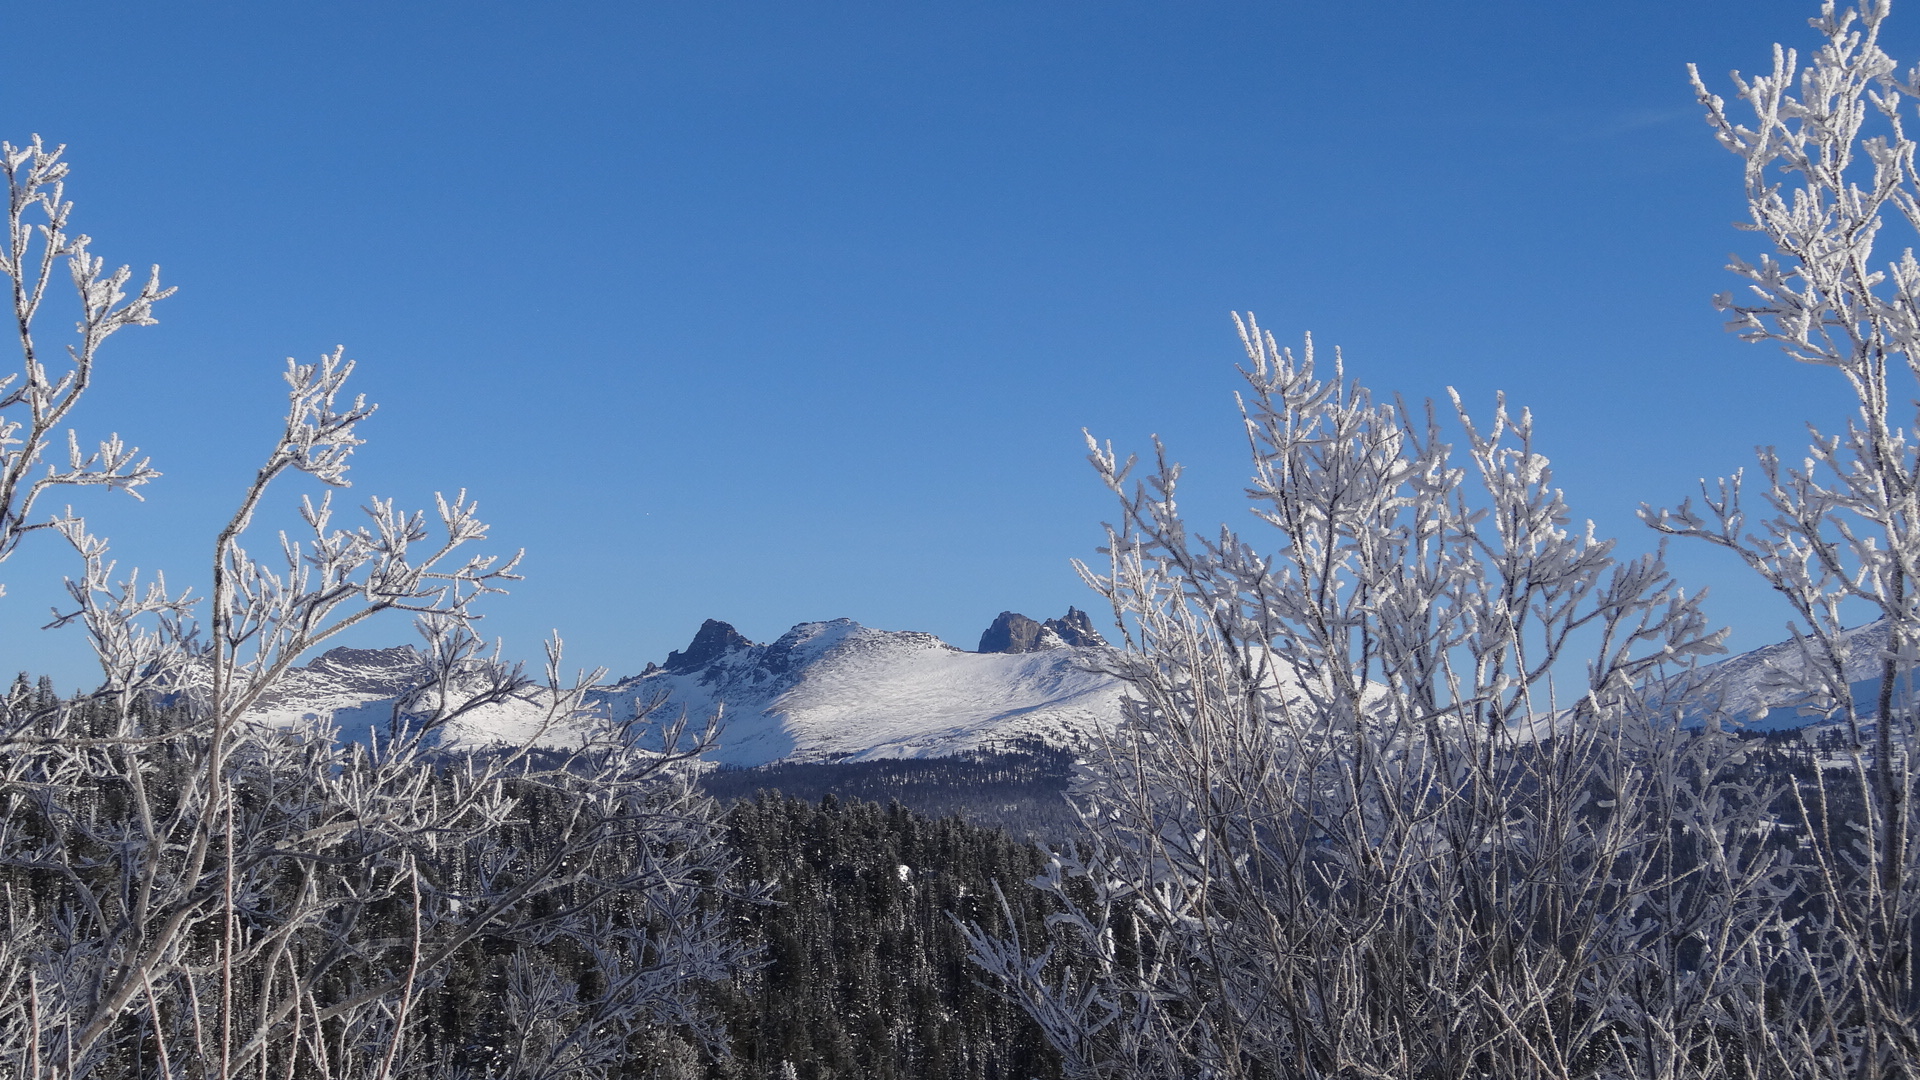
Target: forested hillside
<point>865,972</point>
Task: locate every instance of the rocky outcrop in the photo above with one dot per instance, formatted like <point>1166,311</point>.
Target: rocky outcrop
<point>1076,629</point>
<point>714,640</point>
<point>1013,632</point>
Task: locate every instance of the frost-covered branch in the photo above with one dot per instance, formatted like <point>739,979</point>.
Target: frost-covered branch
<point>1830,170</point>
<point>35,399</point>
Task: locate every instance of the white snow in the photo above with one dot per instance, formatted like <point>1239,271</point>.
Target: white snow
<point>1758,688</point>
<point>839,690</point>
<point>355,690</point>
<point>824,691</point>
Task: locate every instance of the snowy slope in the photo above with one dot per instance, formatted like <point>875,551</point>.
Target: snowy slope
<point>1758,688</point>
<point>356,689</point>
<point>839,690</point>
<point>353,688</point>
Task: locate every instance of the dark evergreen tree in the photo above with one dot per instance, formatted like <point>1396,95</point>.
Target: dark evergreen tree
<point>865,971</point>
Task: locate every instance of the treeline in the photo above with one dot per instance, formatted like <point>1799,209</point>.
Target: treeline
<point>1019,786</point>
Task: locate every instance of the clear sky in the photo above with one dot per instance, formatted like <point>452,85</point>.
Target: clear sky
<point>781,311</point>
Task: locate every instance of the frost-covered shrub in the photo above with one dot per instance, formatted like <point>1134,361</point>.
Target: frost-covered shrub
<point>1404,787</point>
<point>186,891</point>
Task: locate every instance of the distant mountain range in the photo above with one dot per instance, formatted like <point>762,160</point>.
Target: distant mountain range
<point>840,691</point>
<point>824,691</point>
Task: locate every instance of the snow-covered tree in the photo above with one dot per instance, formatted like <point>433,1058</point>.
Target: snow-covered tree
<point>1399,791</point>
<point>188,892</point>
<point>1830,173</point>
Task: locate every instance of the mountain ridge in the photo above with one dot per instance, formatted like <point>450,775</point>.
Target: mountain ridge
<point>823,691</point>
<point>836,690</point>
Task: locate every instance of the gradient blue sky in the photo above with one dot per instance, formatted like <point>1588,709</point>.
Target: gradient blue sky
<point>774,312</point>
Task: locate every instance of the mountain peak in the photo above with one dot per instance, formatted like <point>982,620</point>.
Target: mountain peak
<point>830,690</point>
<point>1013,632</point>
<point>1076,628</point>
<point>714,639</point>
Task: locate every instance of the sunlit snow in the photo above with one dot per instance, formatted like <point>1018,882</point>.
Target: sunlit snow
<point>824,691</point>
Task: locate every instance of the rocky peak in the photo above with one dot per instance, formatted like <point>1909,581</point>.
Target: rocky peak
<point>1075,628</point>
<point>379,672</point>
<point>714,640</point>
<point>1013,632</point>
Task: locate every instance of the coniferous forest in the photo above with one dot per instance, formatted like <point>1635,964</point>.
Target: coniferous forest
<point>866,970</point>
<point>1019,786</point>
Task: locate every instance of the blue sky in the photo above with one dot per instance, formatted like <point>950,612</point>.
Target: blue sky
<point>773,312</point>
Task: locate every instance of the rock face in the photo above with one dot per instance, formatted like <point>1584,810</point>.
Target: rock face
<point>714,640</point>
<point>1013,632</point>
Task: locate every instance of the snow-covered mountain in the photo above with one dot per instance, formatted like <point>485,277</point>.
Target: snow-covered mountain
<point>839,690</point>
<point>824,691</point>
<point>357,689</point>
<point>1757,688</point>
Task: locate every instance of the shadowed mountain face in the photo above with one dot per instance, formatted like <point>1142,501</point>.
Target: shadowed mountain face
<point>714,640</point>
<point>1013,632</point>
